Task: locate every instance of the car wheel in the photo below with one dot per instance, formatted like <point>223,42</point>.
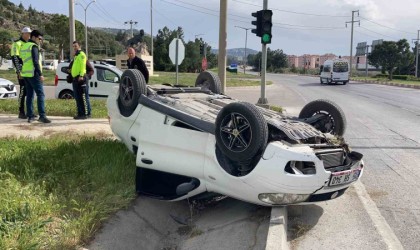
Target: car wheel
<point>131,87</point>
<point>241,131</point>
<point>209,81</point>
<point>329,81</point>
<point>332,120</point>
<point>345,82</point>
<point>322,81</point>
<point>66,94</point>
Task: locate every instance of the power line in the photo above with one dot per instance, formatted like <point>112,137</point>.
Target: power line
<point>366,34</point>
<point>386,26</point>
<point>101,7</point>
<point>292,12</point>
<point>249,21</point>
<point>377,32</point>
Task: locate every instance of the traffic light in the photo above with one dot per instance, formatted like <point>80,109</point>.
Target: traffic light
<point>257,23</point>
<point>263,25</point>
<point>266,25</point>
<point>201,49</point>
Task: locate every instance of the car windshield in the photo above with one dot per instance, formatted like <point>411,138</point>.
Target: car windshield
<point>340,67</point>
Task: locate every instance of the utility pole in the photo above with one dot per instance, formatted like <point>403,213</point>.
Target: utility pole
<point>151,27</point>
<point>222,44</point>
<point>417,52</point>
<point>72,27</point>
<point>246,38</point>
<point>351,39</point>
<point>367,53</point>
<point>131,22</point>
<point>86,36</point>
<point>263,100</point>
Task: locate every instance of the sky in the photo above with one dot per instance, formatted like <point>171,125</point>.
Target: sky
<point>299,26</point>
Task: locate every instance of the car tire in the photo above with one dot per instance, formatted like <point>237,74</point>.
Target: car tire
<point>334,121</point>
<point>241,131</point>
<point>132,86</point>
<point>209,81</point>
<point>322,81</point>
<point>345,82</point>
<point>66,94</point>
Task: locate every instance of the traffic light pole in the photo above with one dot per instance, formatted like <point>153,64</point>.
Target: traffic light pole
<point>263,100</point>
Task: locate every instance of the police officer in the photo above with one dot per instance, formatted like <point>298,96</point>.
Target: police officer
<point>32,74</point>
<point>17,63</point>
<point>80,83</point>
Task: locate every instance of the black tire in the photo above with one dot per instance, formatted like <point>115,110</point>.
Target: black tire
<point>66,94</point>
<point>209,81</point>
<point>329,81</point>
<point>132,85</point>
<point>345,82</point>
<point>334,121</point>
<point>322,81</point>
<point>241,131</point>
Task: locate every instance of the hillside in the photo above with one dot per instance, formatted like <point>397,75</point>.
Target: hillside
<point>236,52</point>
<point>56,32</point>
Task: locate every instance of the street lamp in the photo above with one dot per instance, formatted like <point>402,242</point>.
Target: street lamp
<point>86,38</point>
<point>246,38</point>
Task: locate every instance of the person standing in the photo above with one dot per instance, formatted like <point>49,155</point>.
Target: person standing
<point>17,63</point>
<point>80,83</point>
<point>32,74</point>
<point>135,62</point>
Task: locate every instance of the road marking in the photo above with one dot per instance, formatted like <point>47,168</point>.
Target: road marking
<point>378,220</point>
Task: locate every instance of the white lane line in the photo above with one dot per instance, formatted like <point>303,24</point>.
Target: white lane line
<point>378,220</point>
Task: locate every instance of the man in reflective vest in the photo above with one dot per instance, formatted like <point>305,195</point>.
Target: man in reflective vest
<point>17,63</point>
<point>32,74</point>
<point>80,83</point>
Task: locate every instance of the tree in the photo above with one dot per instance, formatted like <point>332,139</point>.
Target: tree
<point>161,48</point>
<point>390,55</point>
<point>58,28</point>
<point>4,44</point>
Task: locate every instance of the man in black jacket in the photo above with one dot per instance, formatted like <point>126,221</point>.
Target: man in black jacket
<point>135,62</point>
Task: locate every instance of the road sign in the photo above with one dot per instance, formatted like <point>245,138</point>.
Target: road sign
<point>173,51</point>
<point>361,49</point>
<point>204,64</point>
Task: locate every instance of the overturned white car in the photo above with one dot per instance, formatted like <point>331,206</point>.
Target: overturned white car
<point>194,141</point>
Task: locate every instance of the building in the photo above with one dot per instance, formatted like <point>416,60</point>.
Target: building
<point>315,61</point>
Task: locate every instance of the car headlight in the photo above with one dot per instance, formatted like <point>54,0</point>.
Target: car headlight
<point>282,199</point>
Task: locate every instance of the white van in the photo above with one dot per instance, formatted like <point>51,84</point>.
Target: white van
<point>104,78</point>
<point>334,71</point>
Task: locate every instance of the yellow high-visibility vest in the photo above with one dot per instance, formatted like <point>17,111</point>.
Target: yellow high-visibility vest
<point>28,68</point>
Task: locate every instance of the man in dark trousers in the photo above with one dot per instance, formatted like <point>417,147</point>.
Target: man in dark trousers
<point>17,63</point>
<point>32,74</point>
<point>135,62</point>
<point>80,83</point>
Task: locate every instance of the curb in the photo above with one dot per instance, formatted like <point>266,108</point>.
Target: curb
<point>277,230</point>
<point>412,86</point>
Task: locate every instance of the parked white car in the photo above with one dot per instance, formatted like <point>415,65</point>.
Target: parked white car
<point>334,71</point>
<point>7,89</point>
<point>190,142</point>
<point>50,64</point>
<point>105,77</point>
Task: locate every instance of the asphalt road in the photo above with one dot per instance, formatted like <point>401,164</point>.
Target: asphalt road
<point>384,125</point>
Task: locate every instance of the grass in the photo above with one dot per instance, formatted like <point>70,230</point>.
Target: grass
<point>56,192</point>
<point>57,107</point>
<point>10,75</point>
<point>386,80</point>
<point>232,79</point>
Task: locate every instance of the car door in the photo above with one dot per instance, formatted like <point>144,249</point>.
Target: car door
<point>102,82</point>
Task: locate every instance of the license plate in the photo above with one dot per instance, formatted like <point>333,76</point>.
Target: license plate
<point>12,94</point>
<point>344,177</point>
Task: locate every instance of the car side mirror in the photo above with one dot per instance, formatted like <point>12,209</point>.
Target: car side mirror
<point>116,79</point>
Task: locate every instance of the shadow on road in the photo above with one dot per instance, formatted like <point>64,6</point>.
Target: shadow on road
<point>302,219</point>
<point>317,84</point>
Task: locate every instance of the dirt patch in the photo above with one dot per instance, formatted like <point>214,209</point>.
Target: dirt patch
<point>11,126</point>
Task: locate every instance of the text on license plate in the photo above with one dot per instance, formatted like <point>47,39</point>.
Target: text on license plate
<point>344,177</point>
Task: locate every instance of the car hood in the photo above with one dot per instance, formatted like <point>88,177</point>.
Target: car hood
<point>4,82</point>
